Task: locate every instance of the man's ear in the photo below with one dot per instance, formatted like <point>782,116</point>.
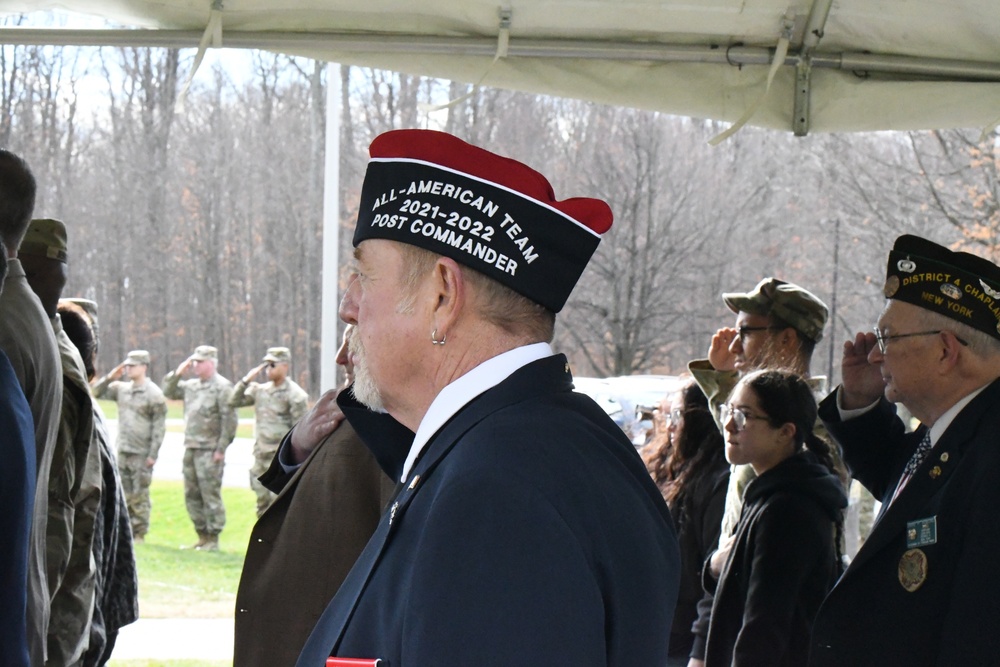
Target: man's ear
<point>788,338</point>
<point>450,291</point>
<point>949,348</point>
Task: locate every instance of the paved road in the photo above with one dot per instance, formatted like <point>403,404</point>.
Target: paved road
<point>184,638</point>
<point>175,639</point>
<point>169,465</point>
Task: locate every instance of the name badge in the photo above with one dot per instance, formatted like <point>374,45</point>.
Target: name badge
<point>921,532</point>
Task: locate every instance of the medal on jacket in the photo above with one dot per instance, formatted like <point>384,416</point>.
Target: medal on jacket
<point>913,569</point>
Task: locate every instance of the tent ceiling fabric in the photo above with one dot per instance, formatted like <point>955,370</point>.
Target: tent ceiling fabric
<point>852,65</point>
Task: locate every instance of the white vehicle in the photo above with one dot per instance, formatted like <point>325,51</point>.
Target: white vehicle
<point>629,399</point>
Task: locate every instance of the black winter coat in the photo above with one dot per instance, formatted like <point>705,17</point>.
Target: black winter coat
<point>782,564</point>
<point>697,514</point>
<point>923,589</point>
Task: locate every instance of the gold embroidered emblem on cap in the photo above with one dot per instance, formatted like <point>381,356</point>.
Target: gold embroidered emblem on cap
<point>913,569</point>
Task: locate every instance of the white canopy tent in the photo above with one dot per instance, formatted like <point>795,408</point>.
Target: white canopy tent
<point>798,65</point>
<point>850,65</point>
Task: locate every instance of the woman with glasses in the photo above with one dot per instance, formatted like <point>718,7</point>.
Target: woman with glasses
<point>688,464</point>
<point>785,554</point>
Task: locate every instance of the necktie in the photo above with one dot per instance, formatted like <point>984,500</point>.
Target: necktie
<point>911,466</point>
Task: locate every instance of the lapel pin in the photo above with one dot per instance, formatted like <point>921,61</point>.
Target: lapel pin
<point>912,570</point>
<point>413,482</point>
<point>944,457</point>
<point>935,472</point>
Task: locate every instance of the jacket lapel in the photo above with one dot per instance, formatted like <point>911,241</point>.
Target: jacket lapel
<point>535,379</point>
<point>929,478</point>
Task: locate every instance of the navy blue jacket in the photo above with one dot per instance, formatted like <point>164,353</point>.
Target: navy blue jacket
<point>529,533</point>
<point>17,497</point>
<point>952,615</point>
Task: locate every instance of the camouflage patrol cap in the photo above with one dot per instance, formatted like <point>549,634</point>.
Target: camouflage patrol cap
<point>278,355</point>
<point>137,358</point>
<point>797,306</point>
<point>205,352</point>
<point>45,238</point>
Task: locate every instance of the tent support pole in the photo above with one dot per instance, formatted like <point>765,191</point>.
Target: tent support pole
<point>803,81</point>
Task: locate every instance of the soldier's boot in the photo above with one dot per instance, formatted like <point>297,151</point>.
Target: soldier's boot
<point>202,540</point>
<point>211,543</point>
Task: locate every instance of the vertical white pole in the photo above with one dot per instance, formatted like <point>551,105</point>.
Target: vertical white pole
<point>331,233</point>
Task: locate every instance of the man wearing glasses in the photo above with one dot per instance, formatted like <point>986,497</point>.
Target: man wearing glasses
<point>777,326</point>
<point>279,404</point>
<point>209,428</point>
<point>923,589</point>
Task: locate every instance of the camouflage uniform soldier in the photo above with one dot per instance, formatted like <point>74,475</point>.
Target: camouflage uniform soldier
<point>209,428</point>
<point>142,418</point>
<point>279,403</point>
<point>75,480</point>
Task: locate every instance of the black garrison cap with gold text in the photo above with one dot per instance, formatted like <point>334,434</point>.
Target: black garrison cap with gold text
<point>488,212</point>
<point>960,285</point>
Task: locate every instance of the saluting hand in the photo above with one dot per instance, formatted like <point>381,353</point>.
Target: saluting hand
<point>718,352</point>
<point>321,420</point>
<point>186,364</point>
<point>862,380</point>
<point>252,374</point>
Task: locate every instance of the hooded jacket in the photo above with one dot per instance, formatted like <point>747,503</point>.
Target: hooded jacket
<point>782,565</point>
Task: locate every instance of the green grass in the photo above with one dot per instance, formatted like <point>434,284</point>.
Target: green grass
<point>182,583</point>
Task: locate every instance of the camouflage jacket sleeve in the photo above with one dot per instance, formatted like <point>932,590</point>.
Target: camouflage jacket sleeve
<point>106,388</point>
<point>71,528</point>
<point>158,423</point>
<point>716,385</point>
<point>298,403</point>
<point>171,386</point>
<point>229,417</point>
<point>243,394</point>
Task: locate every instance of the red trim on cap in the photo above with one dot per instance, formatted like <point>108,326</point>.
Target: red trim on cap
<point>449,151</point>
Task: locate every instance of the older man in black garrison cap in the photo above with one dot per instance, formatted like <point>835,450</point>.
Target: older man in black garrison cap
<point>527,531</point>
<point>923,590</point>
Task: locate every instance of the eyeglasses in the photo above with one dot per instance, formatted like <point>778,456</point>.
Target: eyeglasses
<point>738,415</point>
<point>883,338</point>
<point>743,331</point>
<point>675,415</point>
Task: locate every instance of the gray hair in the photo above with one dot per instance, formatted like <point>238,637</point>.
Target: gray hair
<point>979,342</point>
<point>497,303</point>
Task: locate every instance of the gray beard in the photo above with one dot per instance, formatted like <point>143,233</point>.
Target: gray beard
<point>364,388</point>
<point>365,391</point>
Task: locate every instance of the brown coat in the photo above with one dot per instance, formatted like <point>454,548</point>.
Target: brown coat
<point>304,545</point>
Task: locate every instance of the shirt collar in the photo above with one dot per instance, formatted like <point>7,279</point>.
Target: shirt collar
<point>461,391</point>
<point>944,421</point>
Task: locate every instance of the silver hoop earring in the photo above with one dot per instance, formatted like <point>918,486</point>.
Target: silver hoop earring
<point>435,341</point>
